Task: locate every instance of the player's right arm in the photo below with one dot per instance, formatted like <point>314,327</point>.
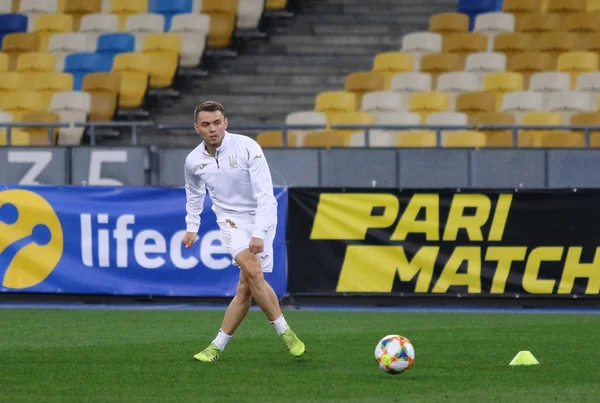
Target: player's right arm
<point>195,193</point>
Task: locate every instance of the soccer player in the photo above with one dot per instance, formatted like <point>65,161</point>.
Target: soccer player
<point>234,170</point>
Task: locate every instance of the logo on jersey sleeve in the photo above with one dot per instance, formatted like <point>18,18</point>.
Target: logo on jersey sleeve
<point>31,239</point>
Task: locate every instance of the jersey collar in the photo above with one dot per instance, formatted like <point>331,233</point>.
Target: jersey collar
<point>224,143</point>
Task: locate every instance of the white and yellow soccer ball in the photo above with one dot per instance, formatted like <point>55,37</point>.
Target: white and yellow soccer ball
<point>394,354</point>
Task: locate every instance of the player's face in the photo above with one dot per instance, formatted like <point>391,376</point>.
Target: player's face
<point>211,126</point>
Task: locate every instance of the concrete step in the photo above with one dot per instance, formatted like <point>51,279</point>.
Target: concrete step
<point>252,101</point>
<point>313,70</point>
<point>289,80</point>
<point>332,50</point>
<point>405,18</point>
<point>297,60</point>
<point>337,40</point>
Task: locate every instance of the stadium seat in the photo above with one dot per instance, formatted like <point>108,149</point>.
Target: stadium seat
<point>71,107</point>
<point>538,23</point>
<point>416,138</point>
<point>143,24</point>
<point>93,25</point>
<point>556,43</point>
<point>305,118</point>
<point>80,64</point>
<point>102,82</point>
<point>588,119</point>
<point>163,42</point>
<point>576,63</point>
<point>449,23</point>
<point>48,84</point>
<point>386,138</point>
<point>447,119</point>
<point>482,63</point>
<point>336,101</point>
<point>12,81</point>
<point>419,44</point>
<point>6,8</point>
<point>438,63</point>
<point>131,61</point>
<point>425,103</point>
<point>78,8</point>
<point>194,29</point>
<point>588,82</point>
<point>404,84</point>
<point>464,139</point>
<point>169,9</point>
<point>520,102</point>
<point>593,6</point>
<point>12,23</point>
<point>360,83</point>
<point>134,86</point>
<point>274,138</point>
<point>465,43</point>
<point>529,63</point>
<point>326,139</point>
<point>103,107</point>
<point>582,23</point>
<point>115,43</point>
<point>32,62</point>
<point>564,8</point>
<point>390,63</point>
<point>533,138</point>
<point>163,50</point>
<point>61,45</point>
<point>513,43</point>
<point>570,102</point>
<point>20,102</point>
<point>4,62</point>
<point>350,118</point>
<point>549,82</point>
<point>47,25</point>
<point>384,101</point>
<point>590,42</point>
<point>494,138</point>
<point>17,43</point>
<point>124,8</point>
<point>456,83</point>
<point>276,4</point>
<point>18,137</point>
<point>493,23</point>
<point>34,8</point>
<point>39,135</point>
<point>223,16</point>
<point>521,8</point>
<point>476,102</point>
<point>500,83</point>
<point>249,13</point>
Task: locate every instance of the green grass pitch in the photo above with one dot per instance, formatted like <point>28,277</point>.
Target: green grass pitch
<point>146,356</point>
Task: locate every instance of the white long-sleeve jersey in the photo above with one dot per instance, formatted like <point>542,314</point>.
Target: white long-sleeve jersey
<point>238,180</point>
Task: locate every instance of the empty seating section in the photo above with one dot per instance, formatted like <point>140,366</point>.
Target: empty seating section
<point>80,60</point>
<point>510,62</point>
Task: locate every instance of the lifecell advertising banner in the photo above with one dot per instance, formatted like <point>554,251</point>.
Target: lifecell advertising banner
<point>117,241</point>
<point>444,243</point>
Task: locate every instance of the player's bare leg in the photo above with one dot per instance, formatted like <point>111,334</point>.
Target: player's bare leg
<point>265,297</point>
<point>234,315</point>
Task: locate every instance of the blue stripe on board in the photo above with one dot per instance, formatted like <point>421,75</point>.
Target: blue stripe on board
<point>319,308</point>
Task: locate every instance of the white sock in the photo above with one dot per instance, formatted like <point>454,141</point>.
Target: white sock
<point>221,340</point>
<point>280,325</point>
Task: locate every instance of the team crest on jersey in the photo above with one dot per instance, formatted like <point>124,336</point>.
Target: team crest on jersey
<point>233,161</point>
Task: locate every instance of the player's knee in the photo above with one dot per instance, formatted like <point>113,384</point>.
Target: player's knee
<point>243,291</point>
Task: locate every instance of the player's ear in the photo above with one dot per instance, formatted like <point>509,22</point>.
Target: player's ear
<point>196,128</point>
<point>225,122</point>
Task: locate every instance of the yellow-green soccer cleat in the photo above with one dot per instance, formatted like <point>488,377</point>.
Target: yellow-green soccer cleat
<point>209,354</point>
<point>293,343</point>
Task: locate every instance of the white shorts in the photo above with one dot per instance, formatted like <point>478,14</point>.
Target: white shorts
<point>236,235</point>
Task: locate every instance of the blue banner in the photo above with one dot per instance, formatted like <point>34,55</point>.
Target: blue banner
<point>117,241</point>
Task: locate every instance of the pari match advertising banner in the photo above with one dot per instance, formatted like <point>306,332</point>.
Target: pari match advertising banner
<point>415,243</point>
<point>117,241</point>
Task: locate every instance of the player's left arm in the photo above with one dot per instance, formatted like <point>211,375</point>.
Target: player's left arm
<point>262,187</point>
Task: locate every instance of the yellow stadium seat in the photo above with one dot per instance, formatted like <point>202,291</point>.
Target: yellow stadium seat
<point>529,63</point>
<point>326,139</point>
<point>565,8</point>
<point>494,138</point>
<point>464,138</point>
<point>132,61</point>
<point>134,85</point>
<point>582,23</point>
<point>104,106</point>
<point>15,5</point>
<point>502,82</point>
<point>476,102</point>
<point>416,138</point>
<point>336,101</point>
<point>465,43</point>
<point>449,23</point>
<point>39,135</point>
<point>425,103</point>
<point>166,42</point>
<point>512,43</point>
<point>163,67</point>
<point>18,137</point>
<point>125,8</point>
<point>391,63</point>
<point>12,81</point>
<point>274,138</point>
<point>360,83</point>
<point>102,82</point>
<point>21,102</point>
<point>576,63</point>
<point>78,8</point>
<point>588,119</point>
<point>556,43</point>
<point>47,25</point>
<point>47,84</point>
<point>535,138</point>
<point>4,62</point>
<point>276,4</point>
<point>590,42</point>
<point>350,118</point>
<point>439,63</point>
<point>16,43</point>
<point>223,17</point>
<point>520,9</point>
<point>540,23</point>
<point>593,5</point>
<point>36,62</point>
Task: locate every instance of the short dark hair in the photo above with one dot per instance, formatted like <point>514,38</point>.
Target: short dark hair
<point>208,106</point>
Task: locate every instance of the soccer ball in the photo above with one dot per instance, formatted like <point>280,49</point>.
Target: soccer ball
<point>394,354</point>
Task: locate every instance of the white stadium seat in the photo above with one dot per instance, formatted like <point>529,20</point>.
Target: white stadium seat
<point>550,81</point>
<point>493,23</point>
<point>454,83</point>
<point>94,25</point>
<point>386,138</point>
<point>411,82</point>
<point>143,24</point>
<point>482,63</point>
<point>249,13</point>
<point>305,118</point>
<point>419,44</point>
<point>589,81</point>
<point>71,135</point>
<point>521,102</point>
<point>194,29</point>
<point>33,8</point>
<point>384,101</point>
<point>447,119</point>
<point>63,44</point>
<point>71,101</point>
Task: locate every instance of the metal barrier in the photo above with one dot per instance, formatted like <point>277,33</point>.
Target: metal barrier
<point>133,125</point>
<point>50,126</point>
